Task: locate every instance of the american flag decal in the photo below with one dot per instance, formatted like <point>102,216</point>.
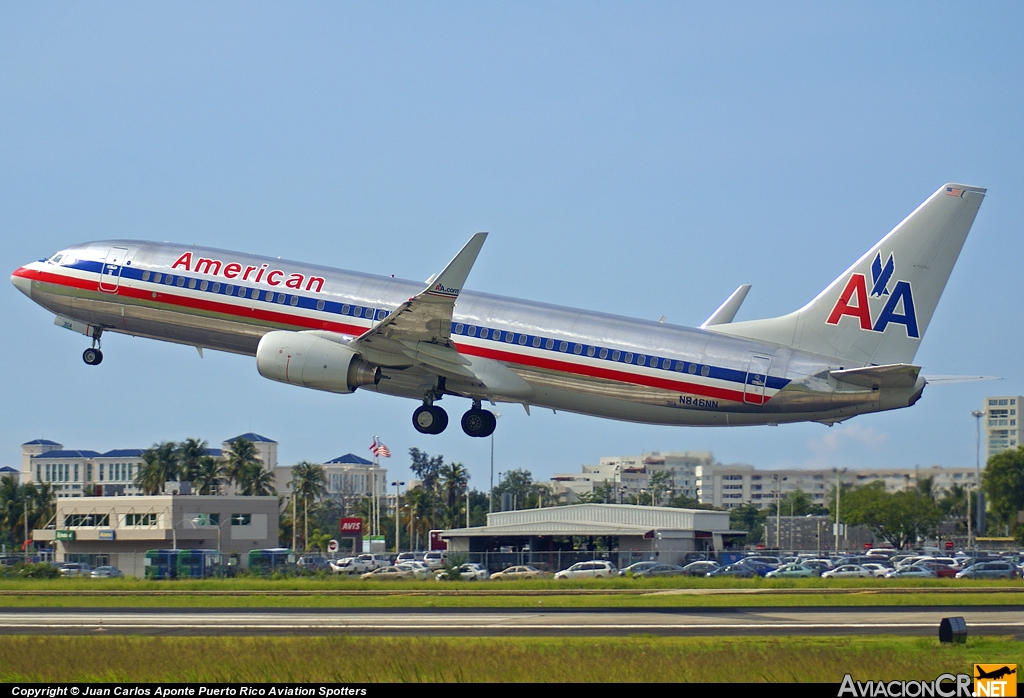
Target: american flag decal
<point>953,191</point>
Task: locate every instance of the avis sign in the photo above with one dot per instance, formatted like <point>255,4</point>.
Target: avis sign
<point>352,527</point>
<point>898,309</point>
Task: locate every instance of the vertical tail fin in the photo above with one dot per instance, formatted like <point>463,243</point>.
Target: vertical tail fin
<point>877,311</point>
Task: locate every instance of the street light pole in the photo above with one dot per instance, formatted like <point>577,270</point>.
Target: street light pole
<point>398,508</point>
<point>490,492</point>
<point>980,527</point>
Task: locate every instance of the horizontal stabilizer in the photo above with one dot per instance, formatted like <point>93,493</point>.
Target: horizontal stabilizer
<point>727,310</point>
<point>940,380</point>
<point>875,377</point>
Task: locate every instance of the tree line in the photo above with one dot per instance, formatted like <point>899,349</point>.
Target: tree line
<point>190,461</point>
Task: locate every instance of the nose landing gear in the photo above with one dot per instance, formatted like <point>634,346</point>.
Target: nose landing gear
<point>93,356</point>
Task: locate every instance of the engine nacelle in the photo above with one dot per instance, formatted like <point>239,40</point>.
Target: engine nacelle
<point>305,359</point>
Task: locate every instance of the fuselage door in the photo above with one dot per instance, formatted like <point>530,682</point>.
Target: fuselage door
<point>110,273</point>
<point>757,378</point>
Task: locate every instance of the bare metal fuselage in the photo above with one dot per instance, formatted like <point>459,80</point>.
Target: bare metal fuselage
<point>573,360</point>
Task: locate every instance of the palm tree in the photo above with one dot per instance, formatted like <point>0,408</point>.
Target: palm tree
<point>454,481</point>
<point>309,482</point>
<point>154,471</point>
<point>256,481</point>
<point>209,475</point>
<point>418,507</point>
<point>242,455</point>
<point>190,453</point>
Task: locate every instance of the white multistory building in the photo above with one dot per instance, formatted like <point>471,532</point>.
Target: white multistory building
<point>729,486</point>
<point>1002,427</point>
<point>630,476</point>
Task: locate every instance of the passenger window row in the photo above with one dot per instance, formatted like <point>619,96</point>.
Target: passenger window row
<point>578,349</point>
<point>277,297</point>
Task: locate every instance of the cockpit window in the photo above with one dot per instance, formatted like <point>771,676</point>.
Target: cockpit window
<point>55,259</point>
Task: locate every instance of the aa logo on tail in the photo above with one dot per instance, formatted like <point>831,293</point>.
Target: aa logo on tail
<point>899,308</point>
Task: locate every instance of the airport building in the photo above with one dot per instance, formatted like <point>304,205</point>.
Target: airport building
<point>629,532</point>
<point>1002,429</point>
<point>119,530</point>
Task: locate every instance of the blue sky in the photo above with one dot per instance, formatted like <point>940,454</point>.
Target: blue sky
<point>641,159</point>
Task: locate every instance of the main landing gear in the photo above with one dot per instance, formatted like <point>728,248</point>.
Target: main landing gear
<point>431,419</point>
<point>478,422</point>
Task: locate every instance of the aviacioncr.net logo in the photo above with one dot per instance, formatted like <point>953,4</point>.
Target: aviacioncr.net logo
<point>995,680</point>
<point>944,686</point>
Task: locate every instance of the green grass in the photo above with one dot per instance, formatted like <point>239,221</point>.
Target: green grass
<point>568,600</point>
<point>350,593</point>
<point>345,584</point>
<point>366,659</point>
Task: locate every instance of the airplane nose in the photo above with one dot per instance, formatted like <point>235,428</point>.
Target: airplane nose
<point>23,284</point>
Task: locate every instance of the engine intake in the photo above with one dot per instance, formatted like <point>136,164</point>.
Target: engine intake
<point>309,360</point>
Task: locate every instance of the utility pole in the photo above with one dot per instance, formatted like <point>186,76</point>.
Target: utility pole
<point>969,517</point>
<point>398,508</point>
<point>467,505</point>
<point>980,527</point>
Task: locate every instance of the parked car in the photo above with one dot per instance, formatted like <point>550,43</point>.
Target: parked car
<point>343,565</point>
<point>418,569</point>
<point>990,570</point>
<point>700,568</point>
<point>911,572</point>
<point>847,572</point>
<point>106,571</point>
<point>75,569</point>
<point>517,572</point>
<point>313,563</point>
<point>637,567</point>
<point>594,569</point>
<point>735,570</point>
<point>469,572</point>
<point>661,571</point>
<point>406,557</point>
<point>792,570</point>
<point>435,559</point>
<point>387,573</point>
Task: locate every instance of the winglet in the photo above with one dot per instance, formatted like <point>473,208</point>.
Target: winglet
<point>727,310</point>
<point>449,283</point>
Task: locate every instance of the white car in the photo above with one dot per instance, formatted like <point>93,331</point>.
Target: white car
<point>847,571</point>
<point>75,569</point>
<point>594,569</point>
<point>435,559</point>
<point>418,569</point>
<point>469,572</point>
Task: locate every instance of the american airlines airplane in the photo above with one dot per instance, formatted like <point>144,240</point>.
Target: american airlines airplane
<point>849,351</point>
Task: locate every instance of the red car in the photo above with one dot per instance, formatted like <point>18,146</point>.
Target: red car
<point>939,569</point>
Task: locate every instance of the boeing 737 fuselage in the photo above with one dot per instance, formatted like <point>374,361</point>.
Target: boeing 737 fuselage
<point>847,352</point>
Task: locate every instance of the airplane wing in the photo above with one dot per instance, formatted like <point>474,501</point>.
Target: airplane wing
<point>425,319</point>
<point>418,334</point>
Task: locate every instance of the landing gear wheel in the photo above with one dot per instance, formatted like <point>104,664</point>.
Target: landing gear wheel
<point>92,356</point>
<point>429,419</point>
<point>479,423</point>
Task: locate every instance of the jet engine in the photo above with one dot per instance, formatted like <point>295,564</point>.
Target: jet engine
<point>313,361</point>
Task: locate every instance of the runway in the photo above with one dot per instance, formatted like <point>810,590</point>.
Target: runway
<point>923,621</point>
